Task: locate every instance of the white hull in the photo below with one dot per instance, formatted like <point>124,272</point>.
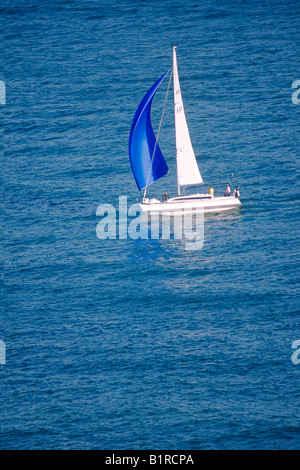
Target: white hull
<point>192,203</point>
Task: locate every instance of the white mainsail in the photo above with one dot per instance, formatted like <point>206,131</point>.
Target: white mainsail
<point>188,173</point>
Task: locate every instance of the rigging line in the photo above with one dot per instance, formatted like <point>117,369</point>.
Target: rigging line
<point>156,140</point>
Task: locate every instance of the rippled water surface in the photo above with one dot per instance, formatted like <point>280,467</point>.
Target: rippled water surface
<point>141,344</point>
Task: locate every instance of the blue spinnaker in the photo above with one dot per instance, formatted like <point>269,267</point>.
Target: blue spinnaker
<point>147,161</point>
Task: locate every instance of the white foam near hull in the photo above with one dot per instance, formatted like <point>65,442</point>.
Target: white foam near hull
<point>192,203</point>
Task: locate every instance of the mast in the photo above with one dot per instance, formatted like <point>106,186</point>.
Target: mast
<point>176,91</point>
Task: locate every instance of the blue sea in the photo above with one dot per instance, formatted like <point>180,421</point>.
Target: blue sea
<point>140,343</point>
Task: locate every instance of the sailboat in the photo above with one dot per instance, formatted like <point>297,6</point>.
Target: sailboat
<point>148,164</point>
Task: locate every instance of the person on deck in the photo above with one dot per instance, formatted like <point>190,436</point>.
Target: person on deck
<point>227,192</point>
<point>165,197</point>
<point>211,191</point>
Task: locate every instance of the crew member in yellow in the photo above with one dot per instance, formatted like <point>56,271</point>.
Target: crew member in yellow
<point>211,191</point>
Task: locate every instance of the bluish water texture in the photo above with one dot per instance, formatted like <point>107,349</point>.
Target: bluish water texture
<point>141,344</point>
